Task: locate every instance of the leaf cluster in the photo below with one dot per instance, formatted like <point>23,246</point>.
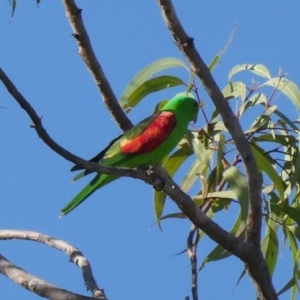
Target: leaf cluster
<point>216,171</point>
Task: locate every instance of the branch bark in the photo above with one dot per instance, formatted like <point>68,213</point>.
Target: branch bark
<point>87,54</point>
<point>258,269</point>
<point>39,286</point>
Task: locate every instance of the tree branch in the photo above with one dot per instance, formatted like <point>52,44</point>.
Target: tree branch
<point>75,255</point>
<point>87,54</point>
<point>186,46</point>
<point>35,284</point>
<point>256,267</point>
<point>191,250</point>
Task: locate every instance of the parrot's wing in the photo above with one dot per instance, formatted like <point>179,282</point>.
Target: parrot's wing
<point>95,159</point>
<point>144,137</point>
<point>98,157</point>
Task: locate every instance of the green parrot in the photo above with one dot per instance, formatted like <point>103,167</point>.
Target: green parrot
<point>147,143</point>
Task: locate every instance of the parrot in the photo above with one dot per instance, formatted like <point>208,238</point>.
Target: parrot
<point>147,143</point>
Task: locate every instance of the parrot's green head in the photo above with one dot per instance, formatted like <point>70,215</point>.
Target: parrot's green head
<point>184,106</point>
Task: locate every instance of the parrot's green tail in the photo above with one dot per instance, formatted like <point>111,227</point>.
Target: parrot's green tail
<point>98,182</point>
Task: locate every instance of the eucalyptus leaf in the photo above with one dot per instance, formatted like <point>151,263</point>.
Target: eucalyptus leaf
<point>150,86</point>
<point>257,69</point>
<point>287,87</point>
<point>147,72</point>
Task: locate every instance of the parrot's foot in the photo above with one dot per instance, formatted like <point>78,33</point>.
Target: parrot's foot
<point>158,184</point>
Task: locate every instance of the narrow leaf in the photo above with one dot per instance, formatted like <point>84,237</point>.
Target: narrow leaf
<point>191,175</point>
<point>198,148</point>
<point>235,89</point>
<point>239,186</point>
<point>265,165</point>
<point>258,69</point>
<point>287,87</point>
<point>219,252</point>
<point>171,164</point>
<point>150,86</point>
<point>292,212</point>
<point>147,72</point>
<point>269,247</point>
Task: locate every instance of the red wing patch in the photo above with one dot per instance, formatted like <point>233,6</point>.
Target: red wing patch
<point>155,134</point>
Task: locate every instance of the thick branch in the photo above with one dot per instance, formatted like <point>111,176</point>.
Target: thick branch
<point>37,285</point>
<point>186,45</point>
<point>75,255</point>
<point>87,54</point>
<point>255,263</point>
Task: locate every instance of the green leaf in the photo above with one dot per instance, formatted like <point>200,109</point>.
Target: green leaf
<point>295,230</point>
<point>281,139</point>
<point>292,212</point>
<point>179,215</point>
<point>269,247</point>
<point>295,178</point>
<point>254,100</point>
<point>295,253</point>
<point>219,252</point>
<point>239,186</point>
<point>213,62</point>
<point>159,106</point>
<point>235,89</point>
<point>220,156</point>
<point>287,87</point>
<point>147,72</point>
<point>221,194</point>
<point>264,165</point>
<point>289,284</point>
<point>295,258</point>
<point>258,69</point>
<point>151,86</point>
<point>171,164</point>
<point>191,175</point>
<point>198,148</point>
<point>286,119</point>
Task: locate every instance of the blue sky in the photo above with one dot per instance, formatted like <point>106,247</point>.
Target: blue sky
<point>130,258</point>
